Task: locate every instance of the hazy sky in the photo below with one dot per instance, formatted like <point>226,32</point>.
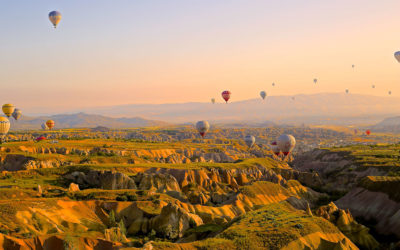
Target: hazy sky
<point>129,51</point>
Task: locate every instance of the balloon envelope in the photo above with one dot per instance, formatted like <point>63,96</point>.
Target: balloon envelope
<point>368,132</point>
<point>202,127</point>
<point>8,109</point>
<point>226,95</point>
<point>397,56</point>
<point>50,124</point>
<point>40,138</point>
<point>55,18</point>
<point>213,100</point>
<point>4,126</point>
<point>44,126</point>
<point>249,140</point>
<point>263,94</point>
<point>315,80</point>
<point>286,143</point>
<point>17,114</point>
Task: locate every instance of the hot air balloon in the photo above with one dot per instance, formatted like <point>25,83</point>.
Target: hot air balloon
<point>390,92</point>
<point>367,132</point>
<point>315,80</point>
<point>353,66</point>
<point>347,91</point>
<point>8,109</point>
<point>50,124</point>
<point>286,143</point>
<point>249,140</point>
<point>202,127</point>
<point>397,56</point>
<point>17,114</point>
<point>275,148</point>
<point>55,18</point>
<point>212,100</point>
<point>273,84</point>
<point>40,138</point>
<point>226,95</point>
<point>263,94</point>
<point>293,98</point>
<point>373,86</point>
<point>4,127</point>
<point>44,126</point>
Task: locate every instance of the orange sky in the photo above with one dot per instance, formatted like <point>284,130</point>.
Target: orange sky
<point>124,52</point>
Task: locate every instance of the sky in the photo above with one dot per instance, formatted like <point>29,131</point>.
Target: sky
<point>173,51</point>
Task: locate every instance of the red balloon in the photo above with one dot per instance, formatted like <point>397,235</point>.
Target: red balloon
<point>226,95</point>
<point>368,132</point>
<point>40,138</point>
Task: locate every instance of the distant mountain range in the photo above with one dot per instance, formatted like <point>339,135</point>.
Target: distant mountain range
<point>82,120</point>
<point>325,108</point>
<point>391,124</point>
<point>316,109</point>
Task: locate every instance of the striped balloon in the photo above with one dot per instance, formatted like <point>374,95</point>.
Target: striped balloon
<point>4,127</point>
<point>55,18</point>
<point>226,95</point>
<point>50,124</point>
<point>8,109</point>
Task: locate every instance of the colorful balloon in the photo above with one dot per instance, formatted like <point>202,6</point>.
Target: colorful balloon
<point>368,132</point>
<point>212,100</point>
<point>17,114</point>
<point>397,56</point>
<point>373,86</point>
<point>40,138</point>
<point>4,127</point>
<point>315,80</point>
<point>55,18</point>
<point>202,127</point>
<point>390,92</point>
<point>226,95</point>
<point>249,140</point>
<point>8,109</point>
<point>44,126</point>
<point>50,124</point>
<point>347,91</point>
<point>263,94</point>
<point>286,143</point>
<point>273,84</point>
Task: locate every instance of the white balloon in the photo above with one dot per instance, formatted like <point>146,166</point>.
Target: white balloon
<point>286,143</point>
<point>249,140</point>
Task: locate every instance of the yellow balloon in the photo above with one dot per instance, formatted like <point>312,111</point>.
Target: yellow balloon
<point>4,126</point>
<point>8,109</point>
<point>50,124</point>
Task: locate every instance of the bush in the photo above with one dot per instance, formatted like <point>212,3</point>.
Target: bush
<point>111,219</point>
<point>132,197</point>
<point>122,198</point>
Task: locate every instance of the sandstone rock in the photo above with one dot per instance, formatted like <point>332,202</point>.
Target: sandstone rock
<point>73,187</point>
<point>174,221</point>
<point>114,234</point>
<point>356,232</point>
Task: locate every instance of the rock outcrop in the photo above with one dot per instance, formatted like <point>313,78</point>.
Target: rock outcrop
<point>343,219</point>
